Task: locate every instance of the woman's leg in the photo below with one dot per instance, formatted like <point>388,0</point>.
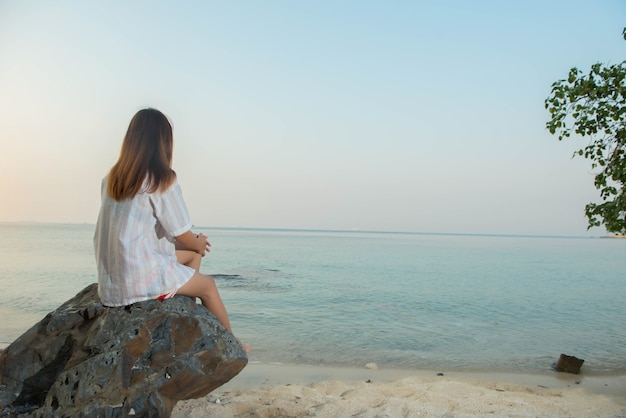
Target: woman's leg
<point>189,258</point>
<point>204,287</point>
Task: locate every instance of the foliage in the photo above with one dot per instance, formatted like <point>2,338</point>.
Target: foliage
<point>594,105</point>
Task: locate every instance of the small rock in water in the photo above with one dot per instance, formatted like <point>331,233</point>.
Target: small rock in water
<point>568,364</point>
<point>371,366</point>
<point>439,374</point>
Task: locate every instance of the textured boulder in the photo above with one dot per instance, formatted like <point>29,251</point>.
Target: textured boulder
<point>87,360</point>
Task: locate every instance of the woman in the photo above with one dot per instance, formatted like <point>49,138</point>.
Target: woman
<point>143,241</point>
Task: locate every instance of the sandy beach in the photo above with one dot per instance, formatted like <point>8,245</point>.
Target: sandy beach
<point>266,390</point>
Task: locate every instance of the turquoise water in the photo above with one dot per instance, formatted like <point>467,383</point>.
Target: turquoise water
<point>421,301</point>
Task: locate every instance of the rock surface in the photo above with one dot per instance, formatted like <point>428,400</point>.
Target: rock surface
<point>87,360</point>
<point>568,364</point>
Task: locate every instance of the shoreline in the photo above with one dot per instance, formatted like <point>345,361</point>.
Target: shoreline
<point>256,375</point>
<point>268,390</point>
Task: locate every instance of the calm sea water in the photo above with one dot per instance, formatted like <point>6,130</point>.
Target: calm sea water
<point>420,301</point>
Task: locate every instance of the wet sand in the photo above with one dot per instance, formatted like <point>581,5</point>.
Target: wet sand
<point>272,390</point>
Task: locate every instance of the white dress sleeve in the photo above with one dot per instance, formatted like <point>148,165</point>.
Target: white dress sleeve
<point>171,212</point>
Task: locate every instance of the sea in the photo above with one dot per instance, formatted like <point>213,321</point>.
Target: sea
<point>412,301</point>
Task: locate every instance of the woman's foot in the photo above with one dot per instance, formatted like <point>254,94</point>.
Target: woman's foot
<point>245,346</point>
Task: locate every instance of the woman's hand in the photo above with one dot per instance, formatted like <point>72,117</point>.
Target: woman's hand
<point>193,242</point>
<point>203,244</point>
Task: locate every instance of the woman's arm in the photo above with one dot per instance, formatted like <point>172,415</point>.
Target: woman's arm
<point>193,242</point>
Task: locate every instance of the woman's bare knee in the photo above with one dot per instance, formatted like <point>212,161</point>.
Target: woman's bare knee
<point>199,286</point>
<point>211,282</point>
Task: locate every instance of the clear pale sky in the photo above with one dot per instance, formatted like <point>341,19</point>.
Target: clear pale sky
<point>424,116</point>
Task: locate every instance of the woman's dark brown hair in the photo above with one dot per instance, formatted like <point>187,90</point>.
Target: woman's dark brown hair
<point>146,154</point>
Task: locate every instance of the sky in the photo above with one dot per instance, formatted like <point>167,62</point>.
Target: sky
<point>412,116</point>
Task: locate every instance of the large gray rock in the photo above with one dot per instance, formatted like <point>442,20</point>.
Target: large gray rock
<point>87,360</point>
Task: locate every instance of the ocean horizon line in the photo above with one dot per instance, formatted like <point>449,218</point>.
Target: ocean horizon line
<point>339,231</point>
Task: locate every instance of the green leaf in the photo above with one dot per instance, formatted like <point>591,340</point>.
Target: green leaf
<point>593,105</point>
